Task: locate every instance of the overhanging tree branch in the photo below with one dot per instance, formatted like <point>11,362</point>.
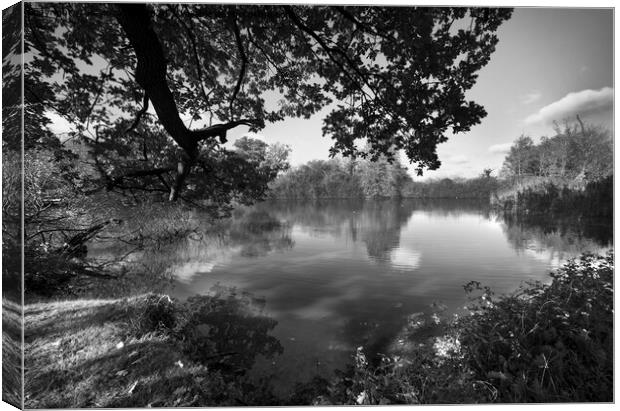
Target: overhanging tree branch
<point>219,130</point>
<point>244,62</point>
<point>150,73</point>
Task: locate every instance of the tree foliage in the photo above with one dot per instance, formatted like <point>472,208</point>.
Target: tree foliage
<point>132,79</point>
<point>577,152</point>
<point>338,178</point>
<point>383,178</point>
<point>520,160</point>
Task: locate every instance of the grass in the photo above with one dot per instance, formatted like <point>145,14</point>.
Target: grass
<point>73,346</point>
<point>117,353</point>
<point>11,353</point>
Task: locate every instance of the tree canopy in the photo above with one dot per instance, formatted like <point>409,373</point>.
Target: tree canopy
<point>154,88</point>
<point>578,151</point>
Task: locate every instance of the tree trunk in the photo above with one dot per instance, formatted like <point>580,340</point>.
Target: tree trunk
<point>183,169</point>
<point>151,68</point>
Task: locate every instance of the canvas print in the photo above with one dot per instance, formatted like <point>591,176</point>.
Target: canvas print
<point>209,204</point>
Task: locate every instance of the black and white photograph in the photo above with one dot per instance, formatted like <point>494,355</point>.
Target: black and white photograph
<point>242,204</point>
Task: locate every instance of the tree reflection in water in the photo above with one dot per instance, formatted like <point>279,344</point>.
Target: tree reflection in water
<point>561,235</point>
<point>228,329</point>
<point>258,233</point>
<point>378,223</point>
<point>382,223</point>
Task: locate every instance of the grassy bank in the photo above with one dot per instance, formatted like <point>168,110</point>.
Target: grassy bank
<point>144,351</point>
<point>543,343</point>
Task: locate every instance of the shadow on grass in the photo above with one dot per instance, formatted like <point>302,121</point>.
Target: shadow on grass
<point>146,351</point>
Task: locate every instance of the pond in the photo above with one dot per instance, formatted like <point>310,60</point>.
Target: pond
<point>340,274</point>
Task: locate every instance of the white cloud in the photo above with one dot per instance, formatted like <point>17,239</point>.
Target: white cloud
<point>531,97</point>
<point>458,159</point>
<point>500,148</point>
<point>582,102</point>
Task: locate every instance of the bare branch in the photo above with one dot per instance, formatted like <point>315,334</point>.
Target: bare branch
<point>583,129</point>
<point>144,173</point>
<point>145,107</point>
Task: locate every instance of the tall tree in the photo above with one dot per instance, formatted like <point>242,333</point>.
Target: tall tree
<point>586,150</point>
<point>383,178</point>
<point>521,159</point>
<point>125,72</point>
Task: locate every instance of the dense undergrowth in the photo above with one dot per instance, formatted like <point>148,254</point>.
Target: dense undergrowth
<point>546,342</point>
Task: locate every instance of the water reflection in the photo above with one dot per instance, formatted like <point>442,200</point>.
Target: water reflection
<point>382,223</point>
<point>249,234</point>
<point>228,329</point>
<point>561,237</point>
<point>340,274</point>
<point>258,233</point>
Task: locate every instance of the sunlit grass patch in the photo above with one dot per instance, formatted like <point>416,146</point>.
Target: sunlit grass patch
<point>85,354</point>
<point>144,351</point>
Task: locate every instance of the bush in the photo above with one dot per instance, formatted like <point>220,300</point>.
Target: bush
<point>158,313</point>
<point>547,343</point>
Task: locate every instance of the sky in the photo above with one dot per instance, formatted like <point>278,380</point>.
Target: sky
<point>550,64</point>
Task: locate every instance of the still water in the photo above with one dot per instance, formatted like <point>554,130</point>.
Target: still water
<point>337,275</point>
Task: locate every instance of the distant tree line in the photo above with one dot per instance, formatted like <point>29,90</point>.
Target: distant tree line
<point>340,178</point>
<point>576,156</point>
<point>479,187</point>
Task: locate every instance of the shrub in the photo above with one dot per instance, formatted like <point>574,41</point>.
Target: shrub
<point>547,342</point>
<point>158,313</point>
